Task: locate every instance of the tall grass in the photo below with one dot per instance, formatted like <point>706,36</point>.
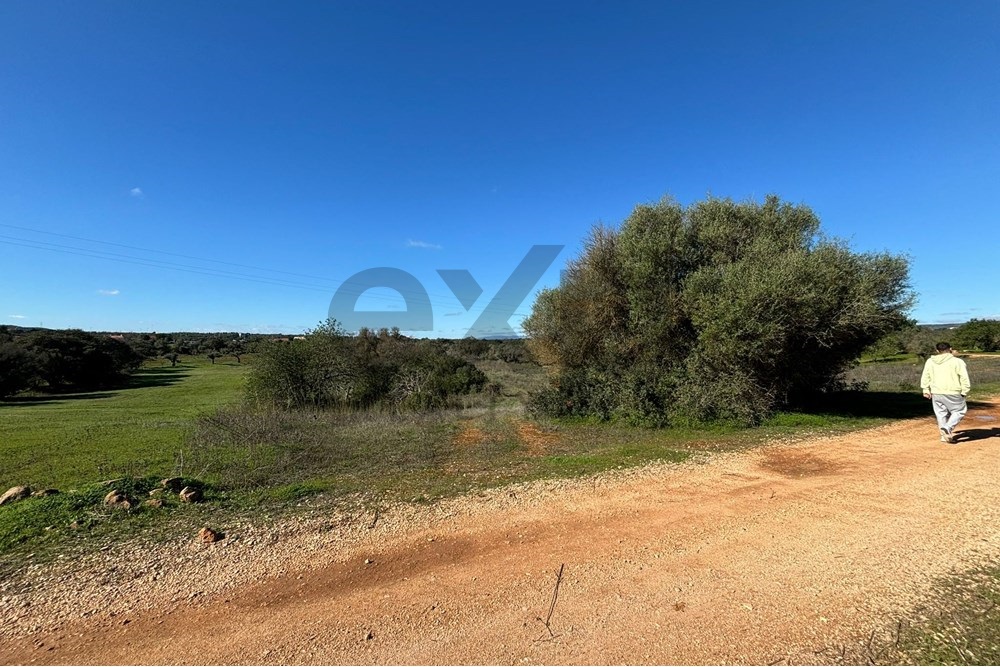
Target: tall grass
<point>403,455</point>
<point>904,375</point>
<point>189,420</point>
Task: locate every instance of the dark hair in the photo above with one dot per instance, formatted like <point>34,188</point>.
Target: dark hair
<point>943,347</point>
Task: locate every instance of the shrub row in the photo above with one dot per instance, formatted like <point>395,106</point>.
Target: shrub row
<point>328,368</point>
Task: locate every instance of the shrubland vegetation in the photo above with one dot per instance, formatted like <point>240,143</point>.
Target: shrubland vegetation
<point>912,339</point>
<point>719,310</point>
<point>329,369</point>
<point>63,361</point>
<point>978,335</point>
<point>705,319</point>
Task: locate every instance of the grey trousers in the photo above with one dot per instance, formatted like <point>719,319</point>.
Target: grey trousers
<point>949,410</point>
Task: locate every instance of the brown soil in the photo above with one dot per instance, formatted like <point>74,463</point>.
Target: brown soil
<point>537,441</point>
<point>794,552</point>
<point>470,436</point>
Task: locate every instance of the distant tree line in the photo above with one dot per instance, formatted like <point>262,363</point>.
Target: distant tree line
<point>911,338</point>
<point>329,368</point>
<point>63,361</point>
<point>508,350</point>
<point>172,346</point>
<point>976,335</point>
<point>716,311</point>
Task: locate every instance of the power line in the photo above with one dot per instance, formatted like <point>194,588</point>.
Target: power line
<point>164,252</point>
<point>207,271</point>
<point>183,256</point>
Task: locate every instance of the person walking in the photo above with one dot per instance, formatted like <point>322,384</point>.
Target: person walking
<point>946,383</point>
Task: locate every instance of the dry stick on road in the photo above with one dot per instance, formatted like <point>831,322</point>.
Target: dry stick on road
<point>552,607</point>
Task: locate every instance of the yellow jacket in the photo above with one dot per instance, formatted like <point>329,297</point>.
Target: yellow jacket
<point>945,374</point>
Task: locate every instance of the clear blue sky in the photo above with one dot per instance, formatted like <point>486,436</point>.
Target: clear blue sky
<point>276,149</point>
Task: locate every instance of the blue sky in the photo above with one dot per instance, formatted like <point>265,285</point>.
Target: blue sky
<point>226,165</point>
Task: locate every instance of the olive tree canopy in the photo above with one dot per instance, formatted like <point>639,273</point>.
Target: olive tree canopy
<point>720,310</point>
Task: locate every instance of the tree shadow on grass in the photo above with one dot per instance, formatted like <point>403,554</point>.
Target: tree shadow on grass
<point>157,377</point>
<point>883,404</point>
<point>142,379</point>
<point>55,398</point>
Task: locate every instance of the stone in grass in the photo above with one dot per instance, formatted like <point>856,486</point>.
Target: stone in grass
<point>118,500</point>
<point>172,484</point>
<point>191,494</point>
<point>153,502</point>
<point>45,492</point>
<point>15,493</point>
<point>207,536</point>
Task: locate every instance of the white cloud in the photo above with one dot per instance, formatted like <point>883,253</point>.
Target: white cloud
<point>109,292</point>
<point>18,317</point>
<point>136,192</point>
<point>422,244</point>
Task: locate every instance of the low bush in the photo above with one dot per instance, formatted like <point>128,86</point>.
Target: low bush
<point>328,368</point>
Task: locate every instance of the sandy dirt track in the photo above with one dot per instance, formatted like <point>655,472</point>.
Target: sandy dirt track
<point>787,553</point>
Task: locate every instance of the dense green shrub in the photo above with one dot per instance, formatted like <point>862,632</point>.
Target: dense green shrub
<point>508,350</point>
<point>328,368</point>
<point>721,310</point>
<point>912,338</point>
<point>63,360</point>
<point>976,334</point>
<point>18,368</point>
<point>74,360</point>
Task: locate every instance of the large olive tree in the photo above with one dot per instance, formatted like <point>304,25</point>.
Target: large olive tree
<point>719,310</point>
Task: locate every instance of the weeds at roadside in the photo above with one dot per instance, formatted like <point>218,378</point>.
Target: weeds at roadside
<point>282,461</point>
<point>958,624</point>
<point>962,624</point>
<point>58,525</point>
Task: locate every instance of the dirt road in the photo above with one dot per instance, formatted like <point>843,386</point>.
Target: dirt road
<point>789,553</point>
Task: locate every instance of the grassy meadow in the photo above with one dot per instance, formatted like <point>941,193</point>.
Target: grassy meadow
<point>190,421</point>
<point>62,441</point>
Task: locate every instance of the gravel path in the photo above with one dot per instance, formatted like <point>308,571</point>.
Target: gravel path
<point>788,553</point>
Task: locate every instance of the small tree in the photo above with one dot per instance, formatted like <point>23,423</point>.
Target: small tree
<point>235,349</point>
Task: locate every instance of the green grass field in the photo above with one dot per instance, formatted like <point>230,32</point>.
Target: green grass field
<point>190,421</point>
<point>902,374</point>
<point>64,441</point>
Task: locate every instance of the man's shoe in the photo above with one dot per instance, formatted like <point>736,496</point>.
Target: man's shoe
<point>944,438</point>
